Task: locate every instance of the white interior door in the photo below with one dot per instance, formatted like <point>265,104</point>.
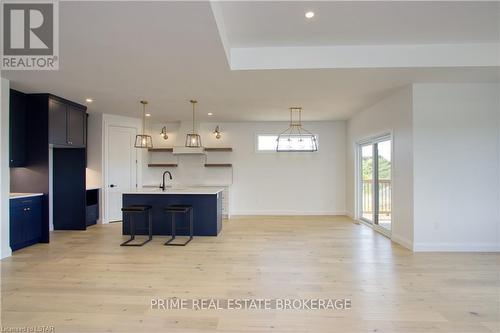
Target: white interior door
<point>121,168</point>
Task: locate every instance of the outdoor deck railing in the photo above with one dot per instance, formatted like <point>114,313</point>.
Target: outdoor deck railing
<point>384,188</point>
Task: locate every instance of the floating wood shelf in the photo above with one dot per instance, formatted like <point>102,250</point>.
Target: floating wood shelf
<point>218,165</point>
<point>219,149</point>
<point>171,165</point>
<point>161,149</point>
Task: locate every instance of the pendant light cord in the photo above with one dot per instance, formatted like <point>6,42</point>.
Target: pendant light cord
<point>193,101</point>
<point>143,118</point>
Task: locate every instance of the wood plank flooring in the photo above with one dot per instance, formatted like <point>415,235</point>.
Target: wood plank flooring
<point>83,281</point>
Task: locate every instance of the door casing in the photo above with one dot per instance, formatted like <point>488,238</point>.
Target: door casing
<point>117,121</point>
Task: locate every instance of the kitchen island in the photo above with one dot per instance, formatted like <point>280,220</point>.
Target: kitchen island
<point>206,203</point>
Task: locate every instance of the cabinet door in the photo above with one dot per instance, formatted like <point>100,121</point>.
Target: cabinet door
<point>17,129</point>
<point>16,224</point>
<point>33,225</point>
<point>76,126</point>
<point>57,123</point>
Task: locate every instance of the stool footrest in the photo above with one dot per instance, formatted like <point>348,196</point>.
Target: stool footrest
<point>169,242</point>
<point>127,243</point>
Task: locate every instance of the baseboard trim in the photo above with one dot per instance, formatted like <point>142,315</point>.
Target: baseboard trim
<point>456,247</point>
<point>6,253</point>
<point>285,213</point>
<point>404,242</point>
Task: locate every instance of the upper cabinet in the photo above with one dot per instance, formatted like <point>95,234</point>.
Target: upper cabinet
<point>77,121</point>
<point>67,123</point>
<point>54,119</point>
<point>17,120</point>
<point>57,122</point>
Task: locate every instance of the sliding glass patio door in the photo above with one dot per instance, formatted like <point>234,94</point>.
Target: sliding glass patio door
<point>375,183</point>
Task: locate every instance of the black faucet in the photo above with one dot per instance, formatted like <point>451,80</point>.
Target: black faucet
<point>162,186</point>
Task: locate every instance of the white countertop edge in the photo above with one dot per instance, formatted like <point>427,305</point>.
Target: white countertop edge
<point>92,188</point>
<point>24,195</point>
<point>188,186</point>
<point>187,190</point>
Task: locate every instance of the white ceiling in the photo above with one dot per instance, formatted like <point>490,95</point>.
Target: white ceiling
<point>169,52</point>
<point>268,23</point>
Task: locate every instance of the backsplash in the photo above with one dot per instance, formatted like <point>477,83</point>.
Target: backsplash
<point>190,169</point>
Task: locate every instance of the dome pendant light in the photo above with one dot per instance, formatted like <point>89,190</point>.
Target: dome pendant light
<point>193,140</point>
<point>143,140</point>
<point>296,138</point>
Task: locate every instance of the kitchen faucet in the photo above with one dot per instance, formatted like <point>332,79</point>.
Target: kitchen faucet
<point>163,186</point>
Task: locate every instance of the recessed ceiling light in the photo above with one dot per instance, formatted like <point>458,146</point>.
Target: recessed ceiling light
<point>89,100</point>
<point>210,114</point>
<point>148,114</point>
<point>309,15</point>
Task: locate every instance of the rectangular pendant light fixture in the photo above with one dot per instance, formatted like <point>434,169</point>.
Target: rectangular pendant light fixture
<point>143,140</point>
<point>193,139</point>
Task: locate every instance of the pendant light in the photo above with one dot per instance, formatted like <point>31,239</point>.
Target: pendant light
<point>193,140</point>
<point>143,140</point>
<point>295,137</point>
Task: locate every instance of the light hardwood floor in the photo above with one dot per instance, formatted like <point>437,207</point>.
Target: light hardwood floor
<point>84,282</point>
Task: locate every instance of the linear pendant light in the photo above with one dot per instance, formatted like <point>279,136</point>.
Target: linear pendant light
<point>193,140</point>
<point>296,138</point>
<point>143,140</point>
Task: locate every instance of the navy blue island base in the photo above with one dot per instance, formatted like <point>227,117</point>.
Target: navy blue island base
<point>207,210</point>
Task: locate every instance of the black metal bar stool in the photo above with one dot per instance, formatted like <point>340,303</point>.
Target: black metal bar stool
<point>137,209</point>
<point>175,209</point>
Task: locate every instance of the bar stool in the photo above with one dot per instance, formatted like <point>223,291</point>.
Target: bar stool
<point>137,209</point>
<point>175,209</point>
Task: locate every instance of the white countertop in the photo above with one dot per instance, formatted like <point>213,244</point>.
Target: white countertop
<point>88,188</point>
<point>175,190</point>
<point>23,195</point>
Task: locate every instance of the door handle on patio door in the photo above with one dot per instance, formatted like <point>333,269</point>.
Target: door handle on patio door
<point>113,185</point>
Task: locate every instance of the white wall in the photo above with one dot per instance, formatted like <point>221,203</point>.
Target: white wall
<point>5,250</point>
<point>94,157</point>
<point>264,183</point>
<point>456,167</point>
<point>393,114</point>
<point>94,150</point>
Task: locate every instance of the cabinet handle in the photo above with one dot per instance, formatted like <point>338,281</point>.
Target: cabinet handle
<point>26,209</point>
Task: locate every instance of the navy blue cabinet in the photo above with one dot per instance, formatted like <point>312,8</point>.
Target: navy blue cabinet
<point>58,133</point>
<point>25,222</point>
<point>92,206</point>
<point>17,120</point>
<point>67,123</point>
